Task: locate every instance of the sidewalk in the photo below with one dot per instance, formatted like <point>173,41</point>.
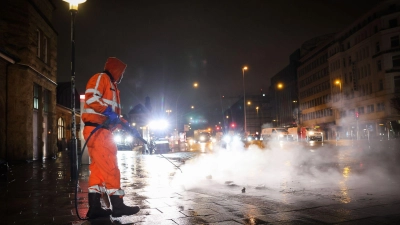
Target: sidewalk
<point>42,193</point>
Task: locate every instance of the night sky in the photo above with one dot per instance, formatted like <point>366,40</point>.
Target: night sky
<point>168,45</point>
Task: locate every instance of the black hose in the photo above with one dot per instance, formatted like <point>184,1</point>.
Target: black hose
<point>105,124</point>
<point>80,162</point>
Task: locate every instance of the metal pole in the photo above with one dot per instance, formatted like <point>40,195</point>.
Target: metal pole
<point>244,105</point>
<point>74,155</point>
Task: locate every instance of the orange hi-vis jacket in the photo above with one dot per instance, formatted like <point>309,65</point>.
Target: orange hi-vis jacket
<point>102,91</point>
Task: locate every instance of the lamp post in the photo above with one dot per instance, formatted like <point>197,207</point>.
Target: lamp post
<point>337,82</point>
<point>279,86</point>
<point>73,8</point>
<point>244,102</point>
<point>195,85</point>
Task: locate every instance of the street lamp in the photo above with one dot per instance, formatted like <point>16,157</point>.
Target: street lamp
<point>279,86</point>
<point>73,8</point>
<point>244,102</point>
<point>337,82</point>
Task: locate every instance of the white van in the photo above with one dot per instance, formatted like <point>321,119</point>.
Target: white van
<point>293,133</point>
<point>274,134</point>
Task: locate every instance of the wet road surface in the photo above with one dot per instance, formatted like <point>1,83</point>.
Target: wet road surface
<point>288,183</point>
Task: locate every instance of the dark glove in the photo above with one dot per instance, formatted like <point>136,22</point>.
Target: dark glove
<point>112,116</point>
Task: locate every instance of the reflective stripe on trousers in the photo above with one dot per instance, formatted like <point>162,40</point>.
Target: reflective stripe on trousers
<point>103,154</point>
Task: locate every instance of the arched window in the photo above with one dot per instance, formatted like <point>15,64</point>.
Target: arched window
<point>60,128</point>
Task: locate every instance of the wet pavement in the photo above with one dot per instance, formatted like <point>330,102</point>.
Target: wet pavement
<point>334,183</point>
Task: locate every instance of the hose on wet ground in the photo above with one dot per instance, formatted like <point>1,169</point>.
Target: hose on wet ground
<point>106,124</point>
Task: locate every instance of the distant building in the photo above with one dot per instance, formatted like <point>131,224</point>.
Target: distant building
<point>346,82</point>
<point>284,94</point>
<point>258,112</point>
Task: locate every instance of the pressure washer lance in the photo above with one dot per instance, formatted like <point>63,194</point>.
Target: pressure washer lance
<point>126,126</point>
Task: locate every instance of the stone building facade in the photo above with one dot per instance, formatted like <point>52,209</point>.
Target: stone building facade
<point>361,64</point>
<point>28,95</point>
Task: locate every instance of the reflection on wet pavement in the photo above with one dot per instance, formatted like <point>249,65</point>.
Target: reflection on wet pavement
<point>286,183</point>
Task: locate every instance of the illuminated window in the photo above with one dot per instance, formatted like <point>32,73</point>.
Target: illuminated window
<point>60,128</point>
<point>36,96</point>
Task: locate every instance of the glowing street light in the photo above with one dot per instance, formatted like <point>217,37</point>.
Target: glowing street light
<point>244,101</point>
<point>337,82</point>
<point>73,8</point>
<point>279,86</point>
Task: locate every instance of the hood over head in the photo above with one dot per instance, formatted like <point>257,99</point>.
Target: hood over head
<point>116,67</point>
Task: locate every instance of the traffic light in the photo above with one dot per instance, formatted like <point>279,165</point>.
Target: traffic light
<point>233,125</point>
<point>357,115</point>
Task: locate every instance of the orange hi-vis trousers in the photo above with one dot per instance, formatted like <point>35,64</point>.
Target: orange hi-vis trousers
<point>102,150</point>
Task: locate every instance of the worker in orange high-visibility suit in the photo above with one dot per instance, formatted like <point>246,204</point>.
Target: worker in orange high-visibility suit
<point>102,103</point>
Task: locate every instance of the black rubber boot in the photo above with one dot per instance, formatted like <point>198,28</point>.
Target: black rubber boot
<point>95,209</point>
<point>120,209</point>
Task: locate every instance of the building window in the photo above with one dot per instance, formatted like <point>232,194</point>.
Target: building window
<point>380,84</point>
<point>36,96</point>
<point>380,107</point>
<point>379,65</point>
<point>397,84</point>
<point>45,49</point>
<point>361,110</point>
<point>38,43</point>
<point>60,128</point>
<point>393,23</point>
<point>394,41</point>
<point>370,108</point>
<point>377,47</point>
<point>46,101</point>
<point>396,61</point>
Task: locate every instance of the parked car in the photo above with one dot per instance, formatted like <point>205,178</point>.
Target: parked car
<point>293,133</point>
<point>311,134</point>
<point>280,134</point>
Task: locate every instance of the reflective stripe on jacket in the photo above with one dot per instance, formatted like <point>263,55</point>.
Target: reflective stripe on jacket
<point>100,93</point>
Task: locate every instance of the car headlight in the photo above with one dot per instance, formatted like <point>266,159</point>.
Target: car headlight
<point>249,138</point>
<point>202,138</point>
<point>311,133</point>
<point>227,139</point>
<point>117,138</point>
<point>236,138</point>
<point>129,139</point>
